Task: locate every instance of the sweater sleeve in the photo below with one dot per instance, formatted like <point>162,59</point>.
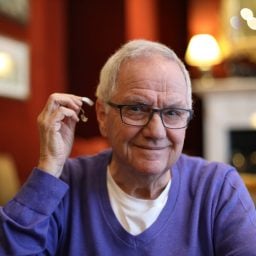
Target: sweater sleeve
<point>27,223</point>
<point>235,219</point>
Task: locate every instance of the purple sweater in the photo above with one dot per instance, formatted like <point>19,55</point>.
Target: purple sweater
<point>208,212</point>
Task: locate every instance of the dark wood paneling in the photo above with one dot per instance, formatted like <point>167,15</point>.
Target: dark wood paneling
<point>173,24</point>
<point>96,30</point>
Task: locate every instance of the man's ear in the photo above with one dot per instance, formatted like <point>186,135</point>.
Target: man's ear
<point>101,117</point>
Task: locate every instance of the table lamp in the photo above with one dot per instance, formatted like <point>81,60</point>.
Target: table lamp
<point>203,51</point>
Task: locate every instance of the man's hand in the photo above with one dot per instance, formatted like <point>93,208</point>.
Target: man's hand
<point>57,124</point>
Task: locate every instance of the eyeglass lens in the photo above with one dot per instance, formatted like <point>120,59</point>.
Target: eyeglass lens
<point>140,115</point>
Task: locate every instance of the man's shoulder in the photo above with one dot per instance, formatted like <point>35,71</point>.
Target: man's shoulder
<point>198,166</point>
<point>87,166</point>
<point>200,177</point>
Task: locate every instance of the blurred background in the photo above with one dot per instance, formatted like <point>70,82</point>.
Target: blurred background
<point>51,46</point>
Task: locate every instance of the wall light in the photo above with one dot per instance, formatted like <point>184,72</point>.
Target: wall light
<point>203,51</point>
<point>14,68</point>
<point>253,120</point>
<point>7,65</point>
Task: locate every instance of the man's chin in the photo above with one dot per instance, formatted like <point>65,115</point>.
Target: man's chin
<point>150,167</point>
<point>151,154</point>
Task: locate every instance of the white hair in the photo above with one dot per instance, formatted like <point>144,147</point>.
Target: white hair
<point>134,49</point>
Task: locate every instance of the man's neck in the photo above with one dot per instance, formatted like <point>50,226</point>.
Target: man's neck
<point>141,185</point>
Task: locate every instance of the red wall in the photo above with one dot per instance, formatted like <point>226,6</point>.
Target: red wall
<point>204,17</point>
<point>141,24</point>
<point>45,35</point>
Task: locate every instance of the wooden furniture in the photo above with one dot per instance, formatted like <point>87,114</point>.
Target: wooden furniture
<point>9,181</point>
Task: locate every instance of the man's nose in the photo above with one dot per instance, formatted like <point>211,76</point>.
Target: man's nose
<point>155,127</point>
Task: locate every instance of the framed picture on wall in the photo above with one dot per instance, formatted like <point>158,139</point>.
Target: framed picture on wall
<point>238,31</point>
<point>14,68</point>
<point>17,10</point>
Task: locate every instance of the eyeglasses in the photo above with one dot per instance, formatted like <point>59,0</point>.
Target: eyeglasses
<point>141,114</point>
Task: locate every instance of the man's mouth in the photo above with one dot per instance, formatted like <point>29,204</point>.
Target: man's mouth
<point>152,147</point>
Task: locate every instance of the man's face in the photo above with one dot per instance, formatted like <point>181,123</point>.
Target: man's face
<point>151,149</point>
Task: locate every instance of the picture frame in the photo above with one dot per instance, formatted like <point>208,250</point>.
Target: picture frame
<point>237,38</point>
<point>14,68</point>
<point>16,10</point>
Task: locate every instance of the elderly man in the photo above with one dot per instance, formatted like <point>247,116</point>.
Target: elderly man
<point>140,197</point>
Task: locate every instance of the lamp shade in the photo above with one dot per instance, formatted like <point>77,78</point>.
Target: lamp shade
<point>203,51</point>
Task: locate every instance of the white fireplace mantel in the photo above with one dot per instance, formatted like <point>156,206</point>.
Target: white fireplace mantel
<point>228,104</point>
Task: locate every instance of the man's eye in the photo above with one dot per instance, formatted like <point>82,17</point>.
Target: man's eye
<point>173,112</point>
<point>137,108</point>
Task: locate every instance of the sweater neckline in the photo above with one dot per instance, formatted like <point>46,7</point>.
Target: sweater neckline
<point>161,222</point>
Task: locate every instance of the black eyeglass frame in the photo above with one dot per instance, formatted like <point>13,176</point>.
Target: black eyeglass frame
<point>153,110</point>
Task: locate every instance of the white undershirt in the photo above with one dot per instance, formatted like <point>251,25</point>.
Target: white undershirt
<point>134,214</point>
